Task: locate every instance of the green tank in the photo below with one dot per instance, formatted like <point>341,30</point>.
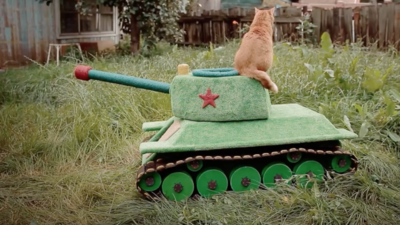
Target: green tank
<point>225,135</point>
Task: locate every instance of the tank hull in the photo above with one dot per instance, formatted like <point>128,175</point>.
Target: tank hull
<point>290,129</point>
<point>288,124</point>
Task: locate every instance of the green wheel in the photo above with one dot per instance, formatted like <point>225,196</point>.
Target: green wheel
<point>310,168</point>
<point>195,165</point>
<point>341,163</point>
<point>294,157</point>
<point>150,181</point>
<point>296,166</point>
<point>274,172</point>
<point>178,186</point>
<point>244,178</point>
<point>210,182</point>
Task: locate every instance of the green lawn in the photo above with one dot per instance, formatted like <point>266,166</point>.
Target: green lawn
<point>69,148</point>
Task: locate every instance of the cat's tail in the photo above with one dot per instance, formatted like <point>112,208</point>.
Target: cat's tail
<point>263,77</point>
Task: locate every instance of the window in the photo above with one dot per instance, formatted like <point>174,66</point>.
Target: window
<point>100,19</point>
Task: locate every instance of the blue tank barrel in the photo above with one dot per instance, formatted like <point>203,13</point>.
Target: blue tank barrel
<point>86,73</point>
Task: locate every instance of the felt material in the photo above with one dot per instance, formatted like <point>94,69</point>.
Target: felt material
<point>129,81</point>
<point>163,129</point>
<point>288,124</point>
<point>240,98</point>
<point>82,72</point>
<point>217,72</point>
<point>183,69</point>
<point>157,136</point>
<point>209,98</point>
<point>153,126</point>
<point>175,126</point>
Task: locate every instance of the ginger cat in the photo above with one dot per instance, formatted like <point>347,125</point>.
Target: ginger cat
<point>255,54</point>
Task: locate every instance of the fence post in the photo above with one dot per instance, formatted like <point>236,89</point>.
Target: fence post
<point>316,18</point>
<point>382,16</point>
<point>397,26</point>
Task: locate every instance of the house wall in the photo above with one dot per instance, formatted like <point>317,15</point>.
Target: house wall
<point>28,27</point>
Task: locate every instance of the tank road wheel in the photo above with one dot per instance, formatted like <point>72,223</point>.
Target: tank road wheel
<point>210,182</point>
<point>150,181</point>
<point>294,157</point>
<point>244,178</point>
<point>275,172</point>
<point>341,163</point>
<point>178,186</point>
<point>195,165</point>
<point>312,169</point>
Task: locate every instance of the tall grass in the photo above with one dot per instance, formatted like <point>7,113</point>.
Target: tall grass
<point>69,148</point>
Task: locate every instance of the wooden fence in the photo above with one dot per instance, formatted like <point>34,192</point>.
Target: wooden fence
<point>368,23</point>
<point>217,26</point>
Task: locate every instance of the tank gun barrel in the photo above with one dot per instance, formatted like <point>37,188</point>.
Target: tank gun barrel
<point>83,72</point>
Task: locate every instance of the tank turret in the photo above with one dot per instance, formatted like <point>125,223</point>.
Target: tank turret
<point>199,95</point>
<point>225,135</point>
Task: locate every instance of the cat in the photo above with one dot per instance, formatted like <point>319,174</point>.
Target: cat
<point>255,54</point>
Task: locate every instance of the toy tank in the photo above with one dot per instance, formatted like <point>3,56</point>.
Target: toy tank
<point>225,135</point>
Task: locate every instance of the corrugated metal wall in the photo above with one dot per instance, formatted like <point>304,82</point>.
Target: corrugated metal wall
<point>26,29</point>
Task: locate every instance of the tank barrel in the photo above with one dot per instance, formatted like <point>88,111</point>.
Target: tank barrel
<point>83,72</point>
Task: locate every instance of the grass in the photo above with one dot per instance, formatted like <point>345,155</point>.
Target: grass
<point>69,149</point>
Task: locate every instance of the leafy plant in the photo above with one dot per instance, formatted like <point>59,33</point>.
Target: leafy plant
<point>245,28</point>
<point>326,45</point>
<point>374,79</point>
<point>395,137</point>
<point>317,71</point>
<point>305,28</point>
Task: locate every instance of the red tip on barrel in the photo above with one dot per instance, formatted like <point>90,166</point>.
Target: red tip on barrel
<point>82,72</point>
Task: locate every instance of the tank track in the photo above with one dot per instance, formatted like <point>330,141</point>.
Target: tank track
<point>161,165</point>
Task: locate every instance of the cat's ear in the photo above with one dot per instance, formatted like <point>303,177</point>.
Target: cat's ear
<point>272,10</point>
<point>256,9</point>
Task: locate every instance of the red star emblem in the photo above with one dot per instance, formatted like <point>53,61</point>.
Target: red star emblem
<point>209,98</point>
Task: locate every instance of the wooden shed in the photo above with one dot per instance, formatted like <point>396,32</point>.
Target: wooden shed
<point>28,27</point>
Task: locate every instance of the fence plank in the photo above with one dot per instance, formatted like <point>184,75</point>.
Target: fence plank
<point>397,26</point>
<point>364,25</point>
<point>317,20</point>
<point>373,24</point>
<point>324,21</point>
<point>329,21</point>
<point>357,26</point>
<point>343,31</point>
<point>335,29</point>
<point>382,25</point>
<point>390,24</point>
<point>347,20</point>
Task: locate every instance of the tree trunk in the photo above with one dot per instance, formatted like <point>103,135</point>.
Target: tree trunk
<point>135,35</point>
